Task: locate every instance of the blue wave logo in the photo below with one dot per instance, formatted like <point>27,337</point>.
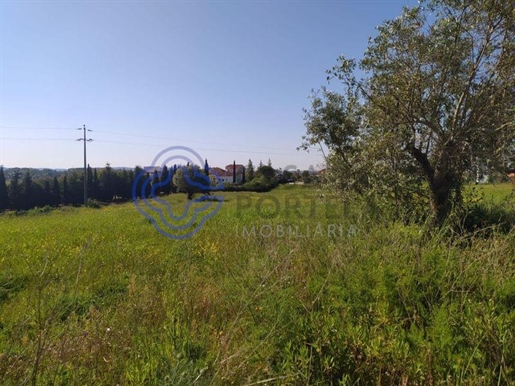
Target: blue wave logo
<point>193,180</point>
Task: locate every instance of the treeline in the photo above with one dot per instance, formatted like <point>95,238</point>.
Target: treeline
<point>36,173</point>
<point>24,192</point>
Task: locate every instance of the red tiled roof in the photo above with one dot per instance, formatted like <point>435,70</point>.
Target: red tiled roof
<point>228,170</point>
<point>220,172</point>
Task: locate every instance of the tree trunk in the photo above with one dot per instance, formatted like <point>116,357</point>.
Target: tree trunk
<point>444,182</point>
<point>445,191</point>
<point>439,205</point>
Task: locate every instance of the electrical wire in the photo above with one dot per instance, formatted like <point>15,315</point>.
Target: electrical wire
<point>35,139</point>
<point>185,140</point>
<point>147,144</point>
<point>139,136</point>
<point>175,140</point>
<point>199,148</point>
<point>39,128</point>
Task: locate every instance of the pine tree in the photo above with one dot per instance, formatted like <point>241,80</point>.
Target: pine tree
<point>136,190</point>
<point>37,192</point>
<point>165,175</point>
<point>147,185</point>
<point>65,199</point>
<point>107,184</point>
<point>75,188</point>
<point>90,181</point>
<point>4,195</point>
<point>94,190</point>
<point>206,168</point>
<point>15,198</point>
<point>27,192</point>
<point>123,180</point>
<point>250,171</point>
<point>46,197</point>
<point>56,193</point>
<point>128,184</point>
<point>174,188</point>
<point>155,180</point>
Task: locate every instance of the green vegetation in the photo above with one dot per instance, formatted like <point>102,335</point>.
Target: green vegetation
<point>294,286</point>
<point>26,191</point>
<point>37,173</point>
<point>430,103</point>
<point>191,179</point>
<point>98,296</point>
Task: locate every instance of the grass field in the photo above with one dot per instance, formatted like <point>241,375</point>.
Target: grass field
<point>492,193</point>
<point>287,287</point>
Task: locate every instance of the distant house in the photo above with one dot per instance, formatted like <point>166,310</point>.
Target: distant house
<point>233,174</point>
<point>217,171</point>
<point>237,171</point>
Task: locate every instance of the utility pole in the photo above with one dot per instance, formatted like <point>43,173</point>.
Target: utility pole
<point>85,167</point>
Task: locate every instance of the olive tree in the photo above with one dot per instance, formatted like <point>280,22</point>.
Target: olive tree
<point>191,179</point>
<point>435,96</point>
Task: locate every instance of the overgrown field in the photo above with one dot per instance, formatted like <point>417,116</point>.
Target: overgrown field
<point>287,287</point>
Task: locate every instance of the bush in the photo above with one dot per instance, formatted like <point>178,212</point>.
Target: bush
<point>92,203</point>
<point>487,216</point>
<point>36,210</point>
<point>258,185</point>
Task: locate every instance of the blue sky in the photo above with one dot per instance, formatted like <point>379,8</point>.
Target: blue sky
<point>227,78</point>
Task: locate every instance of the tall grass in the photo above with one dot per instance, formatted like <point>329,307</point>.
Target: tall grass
<point>98,296</point>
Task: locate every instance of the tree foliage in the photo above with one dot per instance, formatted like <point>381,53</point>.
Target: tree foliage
<point>56,193</point>
<point>4,195</point>
<point>435,98</point>
<point>266,173</point>
<point>28,196</point>
<point>165,180</point>
<point>191,179</point>
<point>68,189</point>
<point>250,171</point>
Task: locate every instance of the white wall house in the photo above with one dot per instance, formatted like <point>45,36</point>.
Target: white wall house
<point>227,176</point>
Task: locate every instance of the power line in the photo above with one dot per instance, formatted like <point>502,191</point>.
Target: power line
<point>154,145</point>
<point>185,140</point>
<point>85,139</point>
<point>145,136</point>
<point>34,139</point>
<point>38,128</point>
<point>201,148</point>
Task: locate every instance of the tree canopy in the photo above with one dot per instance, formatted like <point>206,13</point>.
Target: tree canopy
<point>4,195</point>
<point>431,98</point>
<point>191,179</point>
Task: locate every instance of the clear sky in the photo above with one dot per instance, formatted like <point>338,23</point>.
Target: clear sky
<point>226,78</point>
